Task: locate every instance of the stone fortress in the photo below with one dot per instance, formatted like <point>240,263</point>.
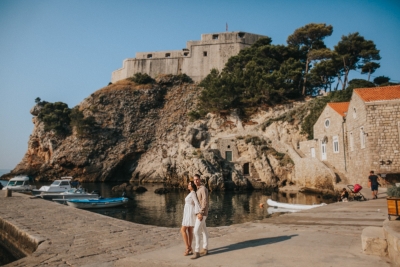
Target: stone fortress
<point>196,60</point>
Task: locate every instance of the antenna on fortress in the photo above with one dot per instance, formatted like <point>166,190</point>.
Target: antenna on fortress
<point>227,26</point>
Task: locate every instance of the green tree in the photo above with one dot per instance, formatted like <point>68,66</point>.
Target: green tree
<point>37,100</point>
<point>381,80</point>
<point>142,78</point>
<point>353,51</point>
<point>308,39</point>
<point>55,117</point>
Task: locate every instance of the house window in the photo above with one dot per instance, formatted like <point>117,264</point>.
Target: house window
<point>335,144</point>
<point>327,123</point>
<point>362,137</point>
<point>351,142</point>
<point>246,169</point>
<point>149,55</point>
<point>354,113</point>
<point>215,36</point>
<point>313,152</point>
<point>205,53</point>
<point>167,54</point>
<point>228,155</point>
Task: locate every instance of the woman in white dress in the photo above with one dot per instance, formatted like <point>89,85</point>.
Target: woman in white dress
<point>192,206</point>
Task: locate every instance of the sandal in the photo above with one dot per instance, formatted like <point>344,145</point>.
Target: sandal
<point>189,251</point>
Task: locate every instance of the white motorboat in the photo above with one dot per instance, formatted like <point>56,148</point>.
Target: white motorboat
<point>74,193</point>
<point>272,203</point>
<point>97,203</point>
<point>58,186</point>
<point>19,183</point>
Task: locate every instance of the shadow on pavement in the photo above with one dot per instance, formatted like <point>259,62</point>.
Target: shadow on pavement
<point>251,243</point>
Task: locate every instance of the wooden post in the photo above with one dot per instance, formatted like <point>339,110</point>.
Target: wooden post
<point>8,192</point>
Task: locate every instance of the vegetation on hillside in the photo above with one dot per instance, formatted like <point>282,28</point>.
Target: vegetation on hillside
<point>60,119</point>
<point>266,74</point>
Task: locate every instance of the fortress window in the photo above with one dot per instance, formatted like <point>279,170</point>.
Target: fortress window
<point>186,54</point>
<point>205,53</point>
<point>149,55</point>
<point>167,54</point>
<point>215,36</point>
<point>241,34</point>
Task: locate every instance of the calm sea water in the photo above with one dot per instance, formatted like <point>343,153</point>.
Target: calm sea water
<point>226,208</point>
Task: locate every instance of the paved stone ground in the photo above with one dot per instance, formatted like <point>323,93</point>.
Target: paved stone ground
<point>326,236</point>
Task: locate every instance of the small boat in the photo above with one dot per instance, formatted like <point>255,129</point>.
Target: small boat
<point>293,206</point>
<point>74,193</point>
<point>19,183</point>
<point>272,210</point>
<point>97,203</point>
<point>58,186</point>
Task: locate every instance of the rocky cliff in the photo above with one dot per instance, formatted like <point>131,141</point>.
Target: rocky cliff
<point>142,133</point>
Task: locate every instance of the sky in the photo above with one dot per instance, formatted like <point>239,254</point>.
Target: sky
<point>64,50</point>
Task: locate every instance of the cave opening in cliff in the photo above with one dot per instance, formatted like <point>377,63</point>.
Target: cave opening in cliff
<point>122,172</point>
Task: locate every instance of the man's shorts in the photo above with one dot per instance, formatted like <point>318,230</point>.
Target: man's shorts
<point>374,187</point>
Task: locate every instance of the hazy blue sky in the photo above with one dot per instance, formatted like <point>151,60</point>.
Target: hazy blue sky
<point>64,50</point>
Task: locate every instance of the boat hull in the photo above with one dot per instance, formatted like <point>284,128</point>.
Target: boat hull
<point>96,203</point>
<point>292,206</point>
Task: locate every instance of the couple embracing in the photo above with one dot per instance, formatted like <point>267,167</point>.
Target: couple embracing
<point>194,218</point>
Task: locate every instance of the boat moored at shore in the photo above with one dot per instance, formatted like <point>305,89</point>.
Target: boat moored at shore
<point>74,193</point>
<point>19,183</point>
<point>97,203</point>
<point>58,186</point>
<point>272,203</point>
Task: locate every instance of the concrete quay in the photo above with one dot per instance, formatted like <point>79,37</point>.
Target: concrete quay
<point>325,236</point>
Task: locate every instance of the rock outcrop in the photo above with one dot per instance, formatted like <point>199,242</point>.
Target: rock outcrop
<point>142,133</point>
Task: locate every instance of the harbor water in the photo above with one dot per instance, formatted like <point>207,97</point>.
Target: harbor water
<point>166,210</point>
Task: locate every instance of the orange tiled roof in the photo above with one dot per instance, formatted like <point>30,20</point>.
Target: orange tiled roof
<point>340,107</point>
<point>379,93</point>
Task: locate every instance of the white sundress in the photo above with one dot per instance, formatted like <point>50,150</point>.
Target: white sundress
<point>192,206</point>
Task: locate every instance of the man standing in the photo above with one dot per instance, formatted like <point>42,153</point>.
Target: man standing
<point>373,179</point>
<point>200,224</point>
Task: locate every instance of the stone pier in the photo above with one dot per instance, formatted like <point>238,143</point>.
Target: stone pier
<point>63,236</point>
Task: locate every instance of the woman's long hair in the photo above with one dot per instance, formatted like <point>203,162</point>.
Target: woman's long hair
<point>193,185</point>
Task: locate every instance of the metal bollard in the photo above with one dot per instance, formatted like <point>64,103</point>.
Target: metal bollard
<point>8,193</point>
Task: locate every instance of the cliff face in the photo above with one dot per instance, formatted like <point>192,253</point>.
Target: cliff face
<point>142,133</point>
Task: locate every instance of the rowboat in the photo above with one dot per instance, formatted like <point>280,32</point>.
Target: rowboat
<point>97,203</point>
<point>293,206</point>
<point>272,210</point>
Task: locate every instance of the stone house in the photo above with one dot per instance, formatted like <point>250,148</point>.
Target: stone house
<point>196,60</point>
<point>361,135</point>
<point>373,130</point>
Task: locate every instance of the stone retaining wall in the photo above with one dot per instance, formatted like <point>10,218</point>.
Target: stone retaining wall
<point>16,240</point>
<point>391,230</point>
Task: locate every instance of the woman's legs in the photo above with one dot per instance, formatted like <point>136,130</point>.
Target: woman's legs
<point>185,236</point>
<point>190,230</point>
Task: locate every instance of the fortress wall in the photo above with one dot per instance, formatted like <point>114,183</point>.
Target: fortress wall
<point>192,61</point>
<point>160,54</point>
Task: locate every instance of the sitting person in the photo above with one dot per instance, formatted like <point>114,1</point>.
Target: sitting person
<point>344,195</point>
